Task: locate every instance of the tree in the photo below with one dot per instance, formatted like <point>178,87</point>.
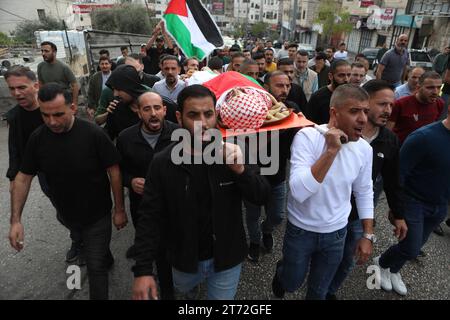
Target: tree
<point>24,31</point>
<point>259,29</point>
<point>333,19</point>
<point>125,18</point>
<point>239,31</point>
<point>4,40</point>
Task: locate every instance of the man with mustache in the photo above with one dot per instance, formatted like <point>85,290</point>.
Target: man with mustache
<point>394,63</point>
<point>415,111</point>
<point>171,85</point>
<point>385,164</point>
<point>195,209</point>
<point>137,146</point>
<point>318,107</point>
<point>324,173</point>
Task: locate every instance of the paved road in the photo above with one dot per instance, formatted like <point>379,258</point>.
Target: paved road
<point>39,271</point>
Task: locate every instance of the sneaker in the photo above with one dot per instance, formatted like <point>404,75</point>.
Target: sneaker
<point>398,285</point>
<point>438,230</point>
<point>253,252</point>
<point>267,240</point>
<point>72,254</point>
<point>385,276</point>
<point>277,288</point>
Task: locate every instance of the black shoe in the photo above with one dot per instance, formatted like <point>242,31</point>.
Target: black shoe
<point>277,288</point>
<point>74,251</point>
<point>422,254</point>
<point>447,222</point>
<point>267,242</point>
<point>331,297</point>
<point>253,252</point>
<point>439,231</point>
<point>131,252</point>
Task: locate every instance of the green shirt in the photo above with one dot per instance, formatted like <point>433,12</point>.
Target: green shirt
<point>55,72</point>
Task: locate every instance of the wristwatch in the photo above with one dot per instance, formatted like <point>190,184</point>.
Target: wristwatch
<point>370,236</point>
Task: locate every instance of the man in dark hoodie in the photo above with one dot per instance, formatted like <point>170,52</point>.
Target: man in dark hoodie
<point>127,87</point>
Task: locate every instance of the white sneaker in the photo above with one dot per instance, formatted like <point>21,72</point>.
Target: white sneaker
<point>398,285</point>
<point>385,276</point>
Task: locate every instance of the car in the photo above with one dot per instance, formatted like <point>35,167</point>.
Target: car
<point>308,48</point>
<point>371,55</point>
<point>420,58</point>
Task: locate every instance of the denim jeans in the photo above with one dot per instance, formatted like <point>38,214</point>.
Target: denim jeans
<point>354,234</point>
<point>421,219</point>
<point>275,211</point>
<point>321,253</point>
<point>220,285</point>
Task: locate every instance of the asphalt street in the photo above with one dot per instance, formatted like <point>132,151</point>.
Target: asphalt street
<point>39,271</point>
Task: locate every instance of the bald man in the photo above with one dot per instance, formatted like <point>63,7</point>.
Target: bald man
<point>393,65</point>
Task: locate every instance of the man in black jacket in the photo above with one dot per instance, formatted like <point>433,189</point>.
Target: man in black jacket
<point>23,119</point>
<point>137,146</point>
<point>195,210</point>
<point>386,147</point>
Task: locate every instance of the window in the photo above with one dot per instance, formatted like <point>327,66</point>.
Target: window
<point>304,14</point>
<point>275,16</point>
<point>257,17</point>
<point>41,14</point>
<point>251,17</point>
<point>253,5</point>
<point>256,6</point>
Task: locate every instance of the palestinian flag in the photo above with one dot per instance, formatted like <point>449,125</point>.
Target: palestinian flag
<point>192,27</point>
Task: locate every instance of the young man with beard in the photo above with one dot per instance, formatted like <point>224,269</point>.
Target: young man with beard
<point>76,158</point>
<point>137,146</point>
<point>324,174</point>
<point>96,85</point>
<point>53,70</point>
<point>322,68</point>
<point>415,111</point>
<point>318,107</point>
<point>237,59</point>
<point>385,147</point>
<point>296,93</point>
<point>195,210</point>
<point>261,61</point>
<point>270,66</point>
<point>171,85</point>
<point>292,51</point>
<point>425,178</point>
<point>23,119</point>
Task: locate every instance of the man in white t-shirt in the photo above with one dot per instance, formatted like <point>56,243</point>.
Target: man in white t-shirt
<point>328,164</point>
<point>341,54</point>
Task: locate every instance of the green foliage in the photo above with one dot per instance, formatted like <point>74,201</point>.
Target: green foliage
<point>239,31</point>
<point>333,19</point>
<point>259,29</point>
<point>5,40</point>
<point>125,18</point>
<point>25,30</point>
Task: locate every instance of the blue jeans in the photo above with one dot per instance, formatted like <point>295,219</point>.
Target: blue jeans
<point>302,249</point>
<point>421,219</point>
<point>354,234</point>
<point>275,211</point>
<point>220,285</point>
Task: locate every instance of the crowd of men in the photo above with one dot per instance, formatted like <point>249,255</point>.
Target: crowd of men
<point>391,133</point>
